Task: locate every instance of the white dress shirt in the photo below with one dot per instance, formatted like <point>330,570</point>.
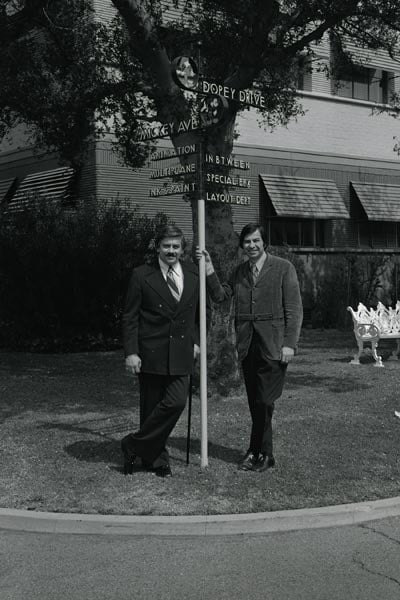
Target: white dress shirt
<point>178,273</point>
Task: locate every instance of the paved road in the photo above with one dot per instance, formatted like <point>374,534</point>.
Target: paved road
<point>354,562</point>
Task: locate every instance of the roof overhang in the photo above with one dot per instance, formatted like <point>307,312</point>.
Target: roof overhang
<point>380,201</point>
<point>305,198</point>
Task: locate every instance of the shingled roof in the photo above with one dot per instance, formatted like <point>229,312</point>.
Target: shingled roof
<point>5,187</point>
<point>305,198</point>
<point>380,201</point>
<point>52,184</point>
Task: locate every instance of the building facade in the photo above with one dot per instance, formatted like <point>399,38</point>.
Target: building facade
<point>327,184</point>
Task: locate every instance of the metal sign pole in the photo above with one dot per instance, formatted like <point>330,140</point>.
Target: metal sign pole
<point>203,324</point>
<point>201,223</point>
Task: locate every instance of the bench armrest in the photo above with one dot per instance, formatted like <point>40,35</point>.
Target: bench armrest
<point>366,331</point>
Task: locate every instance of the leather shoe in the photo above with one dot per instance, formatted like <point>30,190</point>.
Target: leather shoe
<point>163,471</point>
<point>263,463</point>
<point>248,462</point>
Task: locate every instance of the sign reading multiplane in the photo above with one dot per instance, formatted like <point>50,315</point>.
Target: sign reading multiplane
<point>173,171</point>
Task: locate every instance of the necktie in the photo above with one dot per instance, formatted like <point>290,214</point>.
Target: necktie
<point>254,271</point>
<point>172,284</point>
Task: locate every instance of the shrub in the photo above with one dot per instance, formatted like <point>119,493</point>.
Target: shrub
<point>348,280</point>
<point>64,274</point>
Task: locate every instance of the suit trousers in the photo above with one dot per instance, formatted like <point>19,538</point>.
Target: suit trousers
<point>162,401</point>
<point>264,380</point>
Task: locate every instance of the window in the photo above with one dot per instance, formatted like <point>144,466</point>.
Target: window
<point>378,234</point>
<point>363,83</point>
<point>303,74</point>
<point>296,232</point>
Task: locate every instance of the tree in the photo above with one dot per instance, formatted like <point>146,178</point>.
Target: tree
<point>66,67</point>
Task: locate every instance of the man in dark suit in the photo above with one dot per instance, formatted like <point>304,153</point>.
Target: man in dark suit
<point>161,342</point>
<point>268,317</point>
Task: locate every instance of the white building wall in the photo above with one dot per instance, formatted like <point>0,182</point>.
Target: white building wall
<point>330,125</point>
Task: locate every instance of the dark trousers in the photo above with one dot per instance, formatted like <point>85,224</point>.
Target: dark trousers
<point>264,384</point>
<point>162,401</point>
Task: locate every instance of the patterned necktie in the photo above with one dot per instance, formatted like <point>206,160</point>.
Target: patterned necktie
<point>172,284</point>
<point>254,271</point>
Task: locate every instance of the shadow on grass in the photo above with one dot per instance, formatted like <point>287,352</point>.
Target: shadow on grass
<point>223,453</point>
<point>109,451</point>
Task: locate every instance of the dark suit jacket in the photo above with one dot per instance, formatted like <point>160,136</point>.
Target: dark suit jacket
<point>158,329</point>
<point>272,306</point>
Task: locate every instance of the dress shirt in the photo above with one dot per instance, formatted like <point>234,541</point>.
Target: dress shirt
<point>259,264</point>
<point>178,273</point>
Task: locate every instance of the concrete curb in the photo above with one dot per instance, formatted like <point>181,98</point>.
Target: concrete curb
<point>204,525</point>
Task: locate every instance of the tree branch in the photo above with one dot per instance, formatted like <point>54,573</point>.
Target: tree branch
<point>22,22</point>
<point>147,46</point>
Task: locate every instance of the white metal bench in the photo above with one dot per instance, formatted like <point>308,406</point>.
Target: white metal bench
<point>372,325</point>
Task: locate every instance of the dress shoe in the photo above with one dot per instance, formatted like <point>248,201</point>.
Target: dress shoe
<point>248,463</point>
<point>263,463</point>
<point>163,471</point>
<point>147,466</point>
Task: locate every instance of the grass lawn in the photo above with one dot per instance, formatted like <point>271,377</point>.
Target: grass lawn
<point>62,417</point>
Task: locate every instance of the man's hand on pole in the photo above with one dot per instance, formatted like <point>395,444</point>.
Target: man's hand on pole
<point>133,364</point>
<point>196,351</point>
<point>208,261</point>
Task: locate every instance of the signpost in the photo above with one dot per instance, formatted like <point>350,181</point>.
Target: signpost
<point>201,224</point>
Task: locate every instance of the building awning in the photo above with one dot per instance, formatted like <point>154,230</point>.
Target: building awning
<point>305,198</point>
<point>52,184</point>
<point>380,201</point>
<point>5,187</point>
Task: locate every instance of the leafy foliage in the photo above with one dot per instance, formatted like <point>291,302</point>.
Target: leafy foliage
<point>63,275</point>
<point>348,280</point>
<point>61,66</point>
<point>56,80</point>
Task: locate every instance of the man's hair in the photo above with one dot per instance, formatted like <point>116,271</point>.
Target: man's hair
<point>169,231</point>
<point>249,229</point>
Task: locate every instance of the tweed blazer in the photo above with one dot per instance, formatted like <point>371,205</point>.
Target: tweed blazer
<point>271,306</point>
<point>161,331</point>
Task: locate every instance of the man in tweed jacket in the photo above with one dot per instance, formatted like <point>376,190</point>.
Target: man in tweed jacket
<point>268,318</point>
